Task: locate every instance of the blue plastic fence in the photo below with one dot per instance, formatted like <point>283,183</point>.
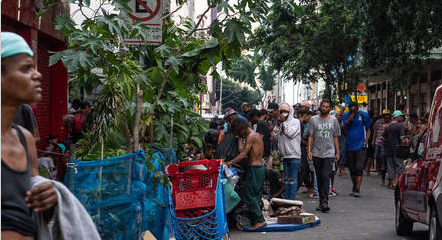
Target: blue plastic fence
<point>120,195</point>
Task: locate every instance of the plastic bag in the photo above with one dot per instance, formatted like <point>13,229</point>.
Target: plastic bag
<point>231,198</point>
<point>231,175</point>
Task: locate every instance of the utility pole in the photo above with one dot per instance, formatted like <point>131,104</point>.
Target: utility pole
<point>220,96</point>
<point>279,87</point>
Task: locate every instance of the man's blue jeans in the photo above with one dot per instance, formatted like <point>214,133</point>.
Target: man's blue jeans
<point>291,167</point>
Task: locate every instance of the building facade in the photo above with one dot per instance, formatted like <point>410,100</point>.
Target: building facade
<point>417,97</point>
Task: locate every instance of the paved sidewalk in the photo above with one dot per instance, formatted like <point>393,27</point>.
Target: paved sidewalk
<point>370,217</point>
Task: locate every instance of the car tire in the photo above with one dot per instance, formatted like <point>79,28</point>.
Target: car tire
<point>435,231</point>
<point>403,225</point>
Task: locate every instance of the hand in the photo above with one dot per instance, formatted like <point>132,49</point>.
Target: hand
<point>42,197</point>
<point>280,119</point>
<point>336,157</point>
<point>350,118</point>
<point>310,156</point>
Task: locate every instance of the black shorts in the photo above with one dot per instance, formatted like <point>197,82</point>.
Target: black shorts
<point>370,151</point>
<point>356,161</point>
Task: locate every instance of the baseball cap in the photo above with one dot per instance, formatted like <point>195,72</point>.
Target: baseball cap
<point>13,44</point>
<point>386,111</point>
<point>306,104</point>
<point>229,112</point>
<point>352,104</point>
<point>398,113</point>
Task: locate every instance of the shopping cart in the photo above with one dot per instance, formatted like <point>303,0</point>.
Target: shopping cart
<point>197,200</point>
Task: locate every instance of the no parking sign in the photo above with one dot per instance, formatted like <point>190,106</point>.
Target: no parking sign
<point>149,12</point>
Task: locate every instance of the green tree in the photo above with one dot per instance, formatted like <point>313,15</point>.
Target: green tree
<point>253,70</point>
<point>311,40</point>
<point>142,88</point>
<point>397,36</point>
<point>234,95</point>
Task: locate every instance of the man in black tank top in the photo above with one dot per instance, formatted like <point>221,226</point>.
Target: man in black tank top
<point>20,84</point>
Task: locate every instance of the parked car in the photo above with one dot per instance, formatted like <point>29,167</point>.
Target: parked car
<point>418,194</point>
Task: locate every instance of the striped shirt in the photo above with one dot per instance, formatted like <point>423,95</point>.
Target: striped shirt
<point>378,129</point>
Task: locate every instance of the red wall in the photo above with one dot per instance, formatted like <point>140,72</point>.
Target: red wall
<point>54,81</point>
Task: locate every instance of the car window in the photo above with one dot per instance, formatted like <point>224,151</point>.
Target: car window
<point>434,135</point>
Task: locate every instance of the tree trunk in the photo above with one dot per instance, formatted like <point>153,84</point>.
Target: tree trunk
<point>138,108</point>
<point>128,138</point>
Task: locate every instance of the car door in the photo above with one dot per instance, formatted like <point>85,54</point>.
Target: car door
<point>413,198</point>
<point>429,179</point>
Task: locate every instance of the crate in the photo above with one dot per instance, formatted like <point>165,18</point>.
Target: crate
<point>194,186</point>
<point>210,226</point>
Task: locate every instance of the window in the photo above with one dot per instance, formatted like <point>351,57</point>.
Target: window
<point>436,75</point>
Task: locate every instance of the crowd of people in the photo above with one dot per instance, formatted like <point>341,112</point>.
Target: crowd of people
<point>284,147</point>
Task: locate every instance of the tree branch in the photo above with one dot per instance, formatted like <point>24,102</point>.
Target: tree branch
<point>174,11</point>
<point>138,108</point>
<point>198,23</point>
<point>207,28</point>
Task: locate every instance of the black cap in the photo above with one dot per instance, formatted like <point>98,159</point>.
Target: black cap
<point>352,104</point>
<point>50,137</point>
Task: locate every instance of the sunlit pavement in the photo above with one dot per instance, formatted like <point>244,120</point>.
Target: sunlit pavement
<point>369,217</point>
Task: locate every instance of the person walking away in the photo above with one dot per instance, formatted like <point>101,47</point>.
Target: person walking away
<point>263,129</point>
<point>288,133</point>
<point>79,125</point>
<point>393,134</point>
<point>25,117</point>
<point>272,111</point>
<point>305,175</point>
<point>323,149</point>
<point>411,128</point>
<point>356,125</point>
<point>255,174</point>
<point>378,143</point>
<point>370,146</point>
<point>342,146</point>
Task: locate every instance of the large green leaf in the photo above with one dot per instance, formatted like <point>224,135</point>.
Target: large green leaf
<point>175,62</point>
<point>209,44</point>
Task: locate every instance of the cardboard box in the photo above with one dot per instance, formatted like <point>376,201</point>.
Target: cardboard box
<point>297,219</point>
<point>148,236</point>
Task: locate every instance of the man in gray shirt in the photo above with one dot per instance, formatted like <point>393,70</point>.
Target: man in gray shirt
<point>323,149</point>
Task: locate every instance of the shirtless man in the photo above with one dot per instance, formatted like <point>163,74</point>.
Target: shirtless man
<point>255,175</point>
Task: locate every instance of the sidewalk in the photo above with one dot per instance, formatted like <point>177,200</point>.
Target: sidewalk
<point>370,217</point>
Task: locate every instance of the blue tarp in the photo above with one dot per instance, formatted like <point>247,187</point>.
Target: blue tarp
<point>274,227</point>
<point>120,195</point>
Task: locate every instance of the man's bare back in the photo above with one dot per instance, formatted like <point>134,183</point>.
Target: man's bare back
<point>254,149</point>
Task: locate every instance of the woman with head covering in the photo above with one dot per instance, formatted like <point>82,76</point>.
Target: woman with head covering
<point>20,84</point>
